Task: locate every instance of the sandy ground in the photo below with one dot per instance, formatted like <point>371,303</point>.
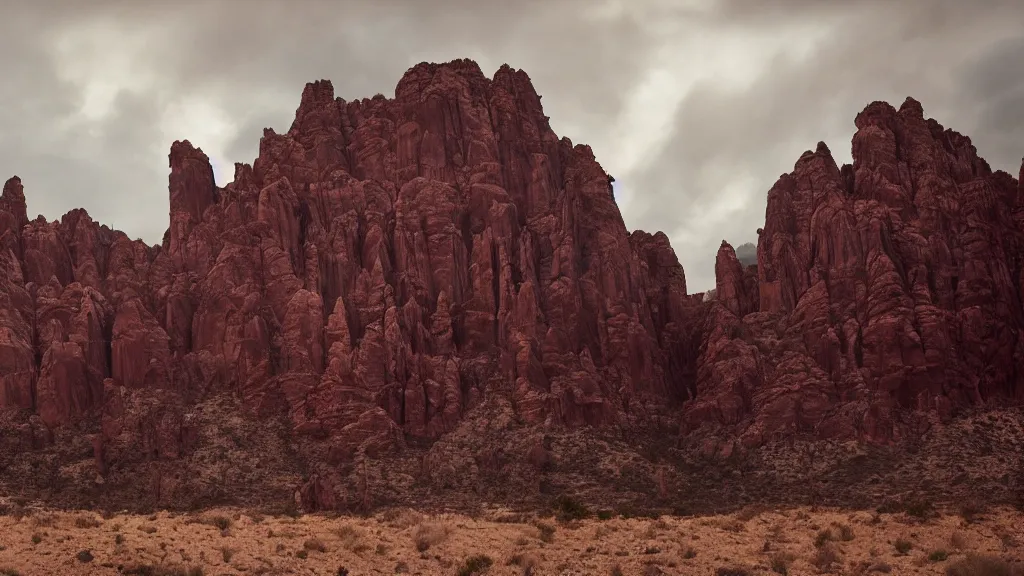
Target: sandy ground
<point>225,541</point>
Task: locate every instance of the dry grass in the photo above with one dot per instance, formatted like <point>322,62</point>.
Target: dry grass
<point>402,541</point>
<point>429,534</point>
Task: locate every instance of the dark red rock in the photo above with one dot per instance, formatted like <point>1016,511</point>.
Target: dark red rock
<point>378,270</point>
<point>888,286</point>
<point>388,265</point>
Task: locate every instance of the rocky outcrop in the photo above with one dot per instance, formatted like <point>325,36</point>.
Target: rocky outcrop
<point>380,269</point>
<point>885,291</point>
<point>387,266</point>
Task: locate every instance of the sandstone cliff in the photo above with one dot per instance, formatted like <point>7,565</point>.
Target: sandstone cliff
<point>440,269</point>
<point>377,271</point>
<point>886,294</point>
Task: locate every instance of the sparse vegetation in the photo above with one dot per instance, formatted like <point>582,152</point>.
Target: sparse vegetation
<point>350,537</point>
<point>845,532</point>
<point>314,545</point>
<point>226,554</point>
<point>981,565</point>
<point>938,555</point>
<point>528,562</point>
<point>37,538</point>
<point>751,511</point>
<point>222,523</point>
<point>918,508</point>
<point>429,534</point>
<point>733,571</point>
<point>84,556</point>
<point>546,532</point>
<point>780,562</point>
<point>777,543</point>
<point>568,509</point>
<point>826,555</point>
<point>150,570</point>
<point>86,522</point>
<point>475,565</point>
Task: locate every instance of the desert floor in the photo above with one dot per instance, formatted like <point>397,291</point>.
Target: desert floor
<point>227,541</point>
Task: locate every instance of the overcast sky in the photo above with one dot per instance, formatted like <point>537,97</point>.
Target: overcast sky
<point>694,106</point>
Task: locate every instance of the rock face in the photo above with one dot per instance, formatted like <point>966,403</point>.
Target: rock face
<point>385,266</point>
<point>380,268</point>
<point>884,293</point>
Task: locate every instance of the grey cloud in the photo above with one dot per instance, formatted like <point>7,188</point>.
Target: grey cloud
<point>720,136</point>
<point>251,60</point>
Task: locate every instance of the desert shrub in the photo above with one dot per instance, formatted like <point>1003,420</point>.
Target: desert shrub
<point>824,536</point>
<point>5,571</point>
<point>689,553</point>
<point>902,545</point>
<point>845,532</point>
<point>84,556</point>
<point>780,562</point>
<point>547,532</point>
<point>227,553</point>
<point>429,534</point>
<point>401,518</point>
<point>350,537</point>
<point>222,523</point>
<point>981,565</point>
<point>826,556</point>
<point>918,508</point>
<point>86,522</point>
<point>605,514</point>
<point>751,511</point>
<point>119,539</point>
<point>970,511</point>
<point>730,525</point>
<point>528,562</point>
<point>37,538</point>
<point>475,565</point>
<point>568,508</point>
<point>938,555</point>
<point>617,570</point>
<point>314,545</point>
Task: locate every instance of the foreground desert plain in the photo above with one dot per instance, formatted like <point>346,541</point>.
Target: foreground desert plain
<point>966,542</point>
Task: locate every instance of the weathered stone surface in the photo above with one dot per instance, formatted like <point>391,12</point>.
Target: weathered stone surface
<point>381,268</point>
<point>885,288</point>
<point>387,266</point>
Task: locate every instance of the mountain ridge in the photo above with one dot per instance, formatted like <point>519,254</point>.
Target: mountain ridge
<point>440,274</point>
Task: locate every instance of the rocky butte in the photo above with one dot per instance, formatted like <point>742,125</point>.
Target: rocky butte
<point>434,295</point>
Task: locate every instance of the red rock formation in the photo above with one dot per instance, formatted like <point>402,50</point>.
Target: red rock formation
<point>889,286</point>
<point>381,268</point>
<point>385,266</point>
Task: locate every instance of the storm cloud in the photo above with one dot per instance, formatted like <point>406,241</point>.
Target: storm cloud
<point>696,107</point>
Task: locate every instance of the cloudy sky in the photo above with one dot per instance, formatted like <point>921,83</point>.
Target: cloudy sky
<point>695,106</point>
